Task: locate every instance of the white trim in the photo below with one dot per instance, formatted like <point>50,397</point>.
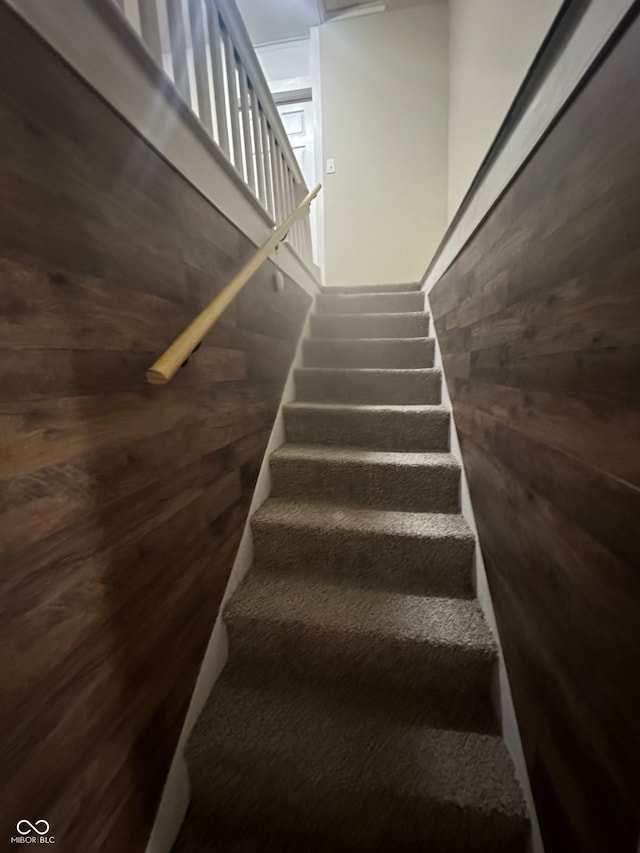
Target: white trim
<point>269,46</point>
<point>504,699</point>
<point>316,89</point>
<point>560,80</point>
<point>177,793</point>
<point>286,92</point>
<point>110,57</point>
<point>355,12</point>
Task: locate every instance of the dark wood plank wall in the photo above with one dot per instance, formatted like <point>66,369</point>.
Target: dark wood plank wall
<point>122,504</point>
<point>539,323</point>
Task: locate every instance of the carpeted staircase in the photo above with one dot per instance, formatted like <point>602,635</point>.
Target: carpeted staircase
<point>355,712</point>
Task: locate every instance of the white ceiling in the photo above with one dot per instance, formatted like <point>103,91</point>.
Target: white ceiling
<point>278,20</point>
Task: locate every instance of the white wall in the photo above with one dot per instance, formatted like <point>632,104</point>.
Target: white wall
<point>270,21</point>
<point>492,45</point>
<point>285,64</point>
<point>384,99</point>
<point>581,47</point>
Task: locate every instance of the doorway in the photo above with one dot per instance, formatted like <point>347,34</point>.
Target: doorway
<point>297,118</point>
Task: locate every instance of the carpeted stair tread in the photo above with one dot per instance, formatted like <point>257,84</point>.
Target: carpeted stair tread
<point>370,303</point>
<point>370,288</point>
<point>418,482</point>
<point>436,651</point>
<point>425,553</point>
<point>335,517</point>
<point>313,770</point>
<point>362,326</point>
<point>368,352</point>
<point>397,386</point>
<point>386,427</point>
<point>335,607</point>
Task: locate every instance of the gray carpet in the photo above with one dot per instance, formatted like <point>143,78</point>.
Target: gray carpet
<point>369,352</point>
<point>355,712</point>
<point>417,386</point>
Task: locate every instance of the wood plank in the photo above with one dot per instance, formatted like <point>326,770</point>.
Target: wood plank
<point>36,374</point>
<point>559,760</point>
<point>589,675</point>
<point>50,499</point>
<point>595,317</point>
<point>47,432</point>
<point>121,505</point>
<point>606,438</point>
<point>72,608</point>
<point>564,481</point>
<point>538,320</point>
<point>110,727</point>
<point>41,308</point>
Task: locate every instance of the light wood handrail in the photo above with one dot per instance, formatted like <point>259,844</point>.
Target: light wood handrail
<point>165,368</point>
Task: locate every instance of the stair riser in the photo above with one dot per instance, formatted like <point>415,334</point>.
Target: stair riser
<point>374,303</point>
<point>421,566</point>
<point>341,386</point>
<point>384,430</point>
<point>371,288</point>
<point>392,487</point>
<point>394,353</point>
<point>450,685</point>
<point>369,325</point>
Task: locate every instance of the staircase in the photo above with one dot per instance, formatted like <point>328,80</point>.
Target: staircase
<point>355,711</point>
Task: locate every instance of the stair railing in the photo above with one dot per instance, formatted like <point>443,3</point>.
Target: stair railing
<point>165,367</point>
<point>205,49</point>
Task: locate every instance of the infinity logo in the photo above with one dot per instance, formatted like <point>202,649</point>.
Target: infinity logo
<point>32,827</point>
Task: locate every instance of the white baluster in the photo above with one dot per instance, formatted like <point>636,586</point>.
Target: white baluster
<point>283,181</point>
<point>150,28</point>
<point>217,74</point>
<point>232,89</point>
<point>307,238</point>
<point>177,40</point>
<point>260,155</point>
<point>246,130</point>
<point>300,238</point>
<point>275,171</point>
<point>268,165</point>
<point>198,39</point>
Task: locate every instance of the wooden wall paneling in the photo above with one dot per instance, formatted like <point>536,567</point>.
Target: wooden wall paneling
<point>121,505</point>
<point>539,324</point>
